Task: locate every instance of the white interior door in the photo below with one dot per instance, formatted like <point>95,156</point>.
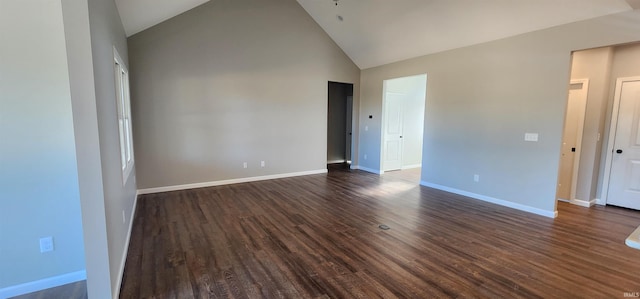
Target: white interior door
<point>572,139</point>
<point>393,119</point>
<point>624,180</point>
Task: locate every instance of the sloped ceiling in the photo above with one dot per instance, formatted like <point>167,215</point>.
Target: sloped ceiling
<point>377,32</point>
<point>138,15</point>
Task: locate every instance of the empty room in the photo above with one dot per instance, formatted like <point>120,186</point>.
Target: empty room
<point>319,149</point>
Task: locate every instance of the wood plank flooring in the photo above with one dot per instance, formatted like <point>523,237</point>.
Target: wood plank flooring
<point>411,175</point>
<point>318,237</point>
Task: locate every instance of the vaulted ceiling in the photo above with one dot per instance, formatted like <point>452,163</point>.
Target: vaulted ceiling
<point>377,32</point>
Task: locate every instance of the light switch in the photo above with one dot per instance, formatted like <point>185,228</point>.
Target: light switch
<point>531,137</point>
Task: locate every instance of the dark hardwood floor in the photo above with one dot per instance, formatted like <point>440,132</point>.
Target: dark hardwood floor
<point>411,175</point>
<point>318,237</point>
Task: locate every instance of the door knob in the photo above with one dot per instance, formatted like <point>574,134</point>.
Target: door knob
<point>619,151</point>
<point>400,136</point>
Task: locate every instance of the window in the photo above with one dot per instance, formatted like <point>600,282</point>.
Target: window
<point>124,116</point>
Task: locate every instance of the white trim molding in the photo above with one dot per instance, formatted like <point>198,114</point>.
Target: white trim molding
<point>583,203</point>
<point>116,292</point>
<point>42,284</point>
<point>501,202</point>
<point>600,202</point>
<point>580,131</point>
<point>371,170</point>
<point>229,182</point>
<point>336,161</point>
<point>411,166</point>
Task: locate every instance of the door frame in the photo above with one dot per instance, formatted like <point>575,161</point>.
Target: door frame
<point>385,90</point>
<point>613,126</point>
<point>349,133</point>
<point>579,135</point>
<point>348,126</point>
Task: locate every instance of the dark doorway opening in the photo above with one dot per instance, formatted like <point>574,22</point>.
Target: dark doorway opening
<point>339,123</point>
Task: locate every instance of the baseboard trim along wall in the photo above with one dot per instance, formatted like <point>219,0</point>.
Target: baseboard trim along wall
<point>229,182</point>
<point>358,167</point>
<point>501,202</point>
<point>411,166</point>
<point>42,284</point>
<point>336,161</point>
<point>116,292</point>
<point>583,203</point>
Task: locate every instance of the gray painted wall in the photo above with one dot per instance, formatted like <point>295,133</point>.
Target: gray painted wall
<point>106,33</point>
<point>337,121</point>
<point>482,99</point>
<point>88,157</point>
<point>625,63</point>
<point>231,82</point>
<point>38,175</point>
<point>595,65</point>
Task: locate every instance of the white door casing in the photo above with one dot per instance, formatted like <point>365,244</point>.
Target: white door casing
<point>622,172</point>
<point>348,136</point>
<point>572,139</point>
<point>392,125</point>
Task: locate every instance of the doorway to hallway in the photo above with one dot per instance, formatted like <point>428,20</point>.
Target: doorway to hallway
<point>339,123</point>
<point>572,139</point>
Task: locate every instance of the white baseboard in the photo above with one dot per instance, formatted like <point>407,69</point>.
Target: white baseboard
<point>599,201</point>
<point>229,182</point>
<point>42,284</point>
<point>411,166</point>
<point>583,203</point>
<point>336,161</point>
<point>501,202</point>
<point>116,292</point>
<point>366,169</point>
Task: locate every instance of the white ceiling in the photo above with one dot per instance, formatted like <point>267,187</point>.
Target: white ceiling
<point>377,32</point>
<point>138,15</point>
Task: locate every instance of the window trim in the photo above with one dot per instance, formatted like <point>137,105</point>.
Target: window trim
<point>123,116</point>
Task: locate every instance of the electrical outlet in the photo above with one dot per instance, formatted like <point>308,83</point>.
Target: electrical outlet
<point>531,137</point>
<point>244,164</point>
<point>46,244</point>
<point>261,163</point>
<point>365,156</point>
<point>476,178</point>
